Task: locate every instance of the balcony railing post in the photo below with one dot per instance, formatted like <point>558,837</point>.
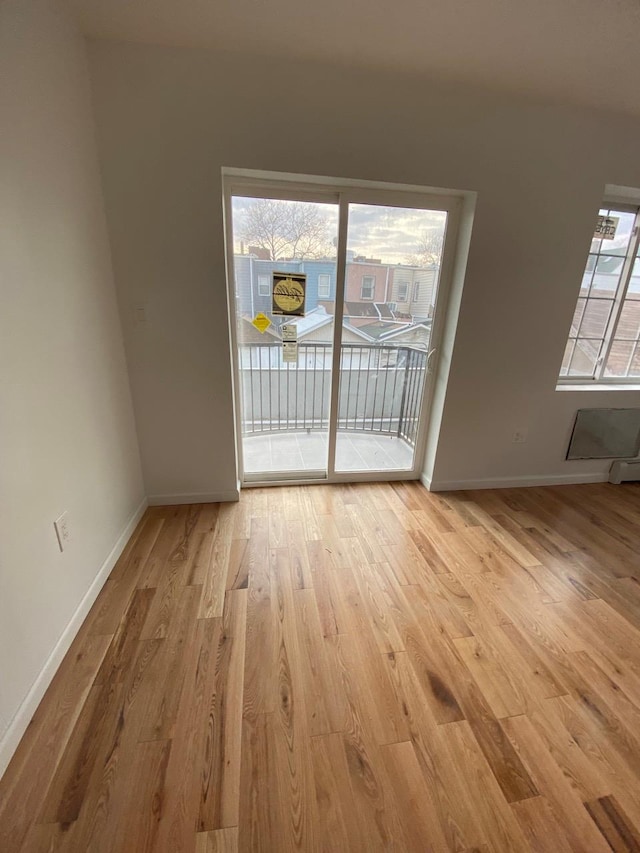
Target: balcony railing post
<point>404,394</point>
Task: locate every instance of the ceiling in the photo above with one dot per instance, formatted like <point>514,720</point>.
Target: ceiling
<point>577,51</point>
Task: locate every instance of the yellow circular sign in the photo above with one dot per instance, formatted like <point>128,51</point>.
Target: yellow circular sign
<point>288,295</point>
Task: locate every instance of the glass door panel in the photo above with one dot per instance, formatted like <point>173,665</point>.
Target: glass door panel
<point>284,398</point>
<point>393,261</point>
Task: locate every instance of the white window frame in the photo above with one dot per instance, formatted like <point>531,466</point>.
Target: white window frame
<point>598,378</point>
<point>372,279</point>
<point>416,291</point>
<point>324,289</point>
<point>403,291</point>
<point>261,280</point>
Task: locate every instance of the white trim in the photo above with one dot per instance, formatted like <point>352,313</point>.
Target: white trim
<point>232,325</point>
<point>338,477</point>
<point>251,181</point>
<point>512,482</point>
<point>614,194</point>
<point>338,328</point>
<point>195,498</point>
<point>372,279</point>
<point>324,275</point>
<point>29,705</point>
<point>579,385</point>
<point>264,276</point>
<point>599,377</point>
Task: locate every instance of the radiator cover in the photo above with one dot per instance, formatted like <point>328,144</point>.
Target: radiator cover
<point>605,434</point>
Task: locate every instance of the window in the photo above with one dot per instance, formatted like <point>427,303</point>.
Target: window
<point>604,339</point>
<point>264,285</point>
<point>324,286</point>
<point>416,291</point>
<point>403,291</point>
<point>368,286</point>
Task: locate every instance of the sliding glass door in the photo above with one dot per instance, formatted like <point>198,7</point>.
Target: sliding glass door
<point>334,310</point>
<point>390,292</point>
<point>284,361</point>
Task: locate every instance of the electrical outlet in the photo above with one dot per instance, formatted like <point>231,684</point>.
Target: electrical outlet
<point>520,436</point>
<point>63,531</point>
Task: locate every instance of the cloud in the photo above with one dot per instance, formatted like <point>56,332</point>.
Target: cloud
<point>391,234</point>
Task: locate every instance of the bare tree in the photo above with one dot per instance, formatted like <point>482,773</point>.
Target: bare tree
<point>286,229</point>
<point>429,249</point>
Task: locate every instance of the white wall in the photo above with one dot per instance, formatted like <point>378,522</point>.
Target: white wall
<point>169,118</point>
<point>67,436</point>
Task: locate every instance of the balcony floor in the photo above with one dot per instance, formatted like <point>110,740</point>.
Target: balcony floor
<point>301,451</point>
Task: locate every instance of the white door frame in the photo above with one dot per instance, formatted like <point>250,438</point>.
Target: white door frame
<point>242,182</point>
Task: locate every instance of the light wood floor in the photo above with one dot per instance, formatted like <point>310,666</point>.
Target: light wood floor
<point>351,668</point>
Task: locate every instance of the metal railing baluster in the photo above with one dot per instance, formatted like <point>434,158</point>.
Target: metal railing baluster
<point>364,408</point>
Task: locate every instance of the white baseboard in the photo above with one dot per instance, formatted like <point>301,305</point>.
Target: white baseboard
<point>512,482</point>
<point>196,498</point>
<point>25,712</point>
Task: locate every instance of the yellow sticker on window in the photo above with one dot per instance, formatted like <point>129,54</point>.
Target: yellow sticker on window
<point>288,293</point>
<point>261,322</point>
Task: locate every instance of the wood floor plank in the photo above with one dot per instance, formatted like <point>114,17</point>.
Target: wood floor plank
<point>45,741</point>
<point>319,564</point>
<point>170,666</point>
<point>361,667</point>
<point>300,564</point>
<point>115,595</point>
<point>425,659</point>
<point>371,689</point>
<point>166,545</point>
<point>499,828</point>
<point>222,735</point>
<point>182,794</point>
<point>215,582</point>
<point>417,811</point>
<point>615,826</point>
<point>338,827</point>
<point>69,784</point>
<point>200,550</point>
<point>126,637</point>
<point>543,830</point>
<point>218,841</point>
<point>139,804</point>
<point>500,686</point>
<point>289,723</point>
<point>555,784</point>
<point>259,824</point>
<point>324,696</point>
<point>258,694</point>
<point>456,817</point>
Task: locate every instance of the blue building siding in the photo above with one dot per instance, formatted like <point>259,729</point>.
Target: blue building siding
<point>247,272</point>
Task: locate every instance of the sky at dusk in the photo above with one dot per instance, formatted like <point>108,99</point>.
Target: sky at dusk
<point>391,234</point>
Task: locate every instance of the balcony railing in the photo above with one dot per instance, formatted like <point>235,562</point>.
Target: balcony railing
<point>380,389</point>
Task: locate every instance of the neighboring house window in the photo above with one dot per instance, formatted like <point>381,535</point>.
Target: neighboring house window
<point>604,338</point>
<point>368,287</point>
<point>416,291</point>
<point>403,291</point>
<point>264,284</point>
<point>324,286</point>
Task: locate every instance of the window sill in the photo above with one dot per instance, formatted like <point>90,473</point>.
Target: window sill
<point>598,386</point>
